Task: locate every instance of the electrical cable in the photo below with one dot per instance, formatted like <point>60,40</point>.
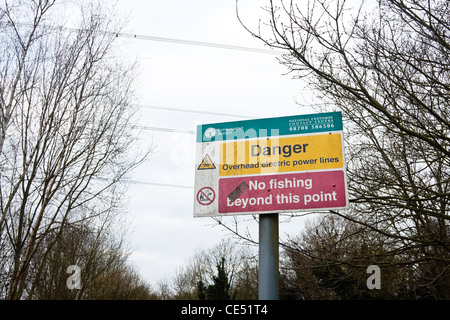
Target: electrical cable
<point>161,184</point>
<point>196,43</point>
<point>163,129</point>
<point>182,110</point>
<point>165,39</point>
<point>195,111</point>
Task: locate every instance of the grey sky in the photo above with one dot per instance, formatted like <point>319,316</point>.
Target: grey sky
<point>191,77</point>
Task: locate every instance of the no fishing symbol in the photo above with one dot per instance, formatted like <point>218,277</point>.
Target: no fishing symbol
<point>206,196</point>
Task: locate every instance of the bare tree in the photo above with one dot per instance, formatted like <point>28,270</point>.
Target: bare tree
<point>329,260</point>
<point>387,69</point>
<point>99,255</point>
<point>236,263</point>
<point>66,141</point>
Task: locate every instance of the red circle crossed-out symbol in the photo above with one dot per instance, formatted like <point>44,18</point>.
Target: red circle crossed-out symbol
<point>206,196</point>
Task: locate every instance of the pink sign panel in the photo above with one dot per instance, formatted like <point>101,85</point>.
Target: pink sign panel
<point>297,191</point>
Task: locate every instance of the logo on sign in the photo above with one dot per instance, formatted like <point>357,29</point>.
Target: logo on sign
<point>210,132</point>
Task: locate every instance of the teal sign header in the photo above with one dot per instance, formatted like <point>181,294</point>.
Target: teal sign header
<point>270,127</point>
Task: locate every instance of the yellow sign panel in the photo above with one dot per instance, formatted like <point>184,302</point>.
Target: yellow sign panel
<point>269,155</point>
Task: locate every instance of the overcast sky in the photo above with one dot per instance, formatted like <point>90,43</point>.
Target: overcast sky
<point>242,84</point>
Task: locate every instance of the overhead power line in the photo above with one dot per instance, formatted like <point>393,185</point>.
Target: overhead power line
<point>170,40</point>
<point>161,184</point>
<point>150,128</point>
<point>196,111</point>
<point>163,129</point>
<point>197,43</point>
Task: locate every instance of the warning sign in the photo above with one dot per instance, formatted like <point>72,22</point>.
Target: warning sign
<point>279,192</point>
<point>206,163</point>
<point>274,165</point>
<point>206,196</point>
<point>275,155</point>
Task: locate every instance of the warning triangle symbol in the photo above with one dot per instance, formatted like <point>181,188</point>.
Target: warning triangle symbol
<point>206,163</point>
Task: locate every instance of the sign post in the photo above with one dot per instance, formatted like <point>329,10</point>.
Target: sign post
<point>268,273</point>
<point>270,166</point>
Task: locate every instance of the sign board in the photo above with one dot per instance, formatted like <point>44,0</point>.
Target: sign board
<point>272,165</point>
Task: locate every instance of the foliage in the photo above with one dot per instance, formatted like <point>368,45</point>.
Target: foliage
<point>219,289</point>
<point>222,272</point>
<point>66,144</point>
<point>386,68</point>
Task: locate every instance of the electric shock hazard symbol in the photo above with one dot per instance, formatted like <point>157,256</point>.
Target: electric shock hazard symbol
<point>206,196</point>
<point>206,163</point>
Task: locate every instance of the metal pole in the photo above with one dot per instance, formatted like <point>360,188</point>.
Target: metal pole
<point>268,282</point>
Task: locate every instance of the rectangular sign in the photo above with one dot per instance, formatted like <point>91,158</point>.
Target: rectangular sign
<point>270,155</point>
<point>284,164</point>
<point>278,193</point>
<point>281,126</point>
